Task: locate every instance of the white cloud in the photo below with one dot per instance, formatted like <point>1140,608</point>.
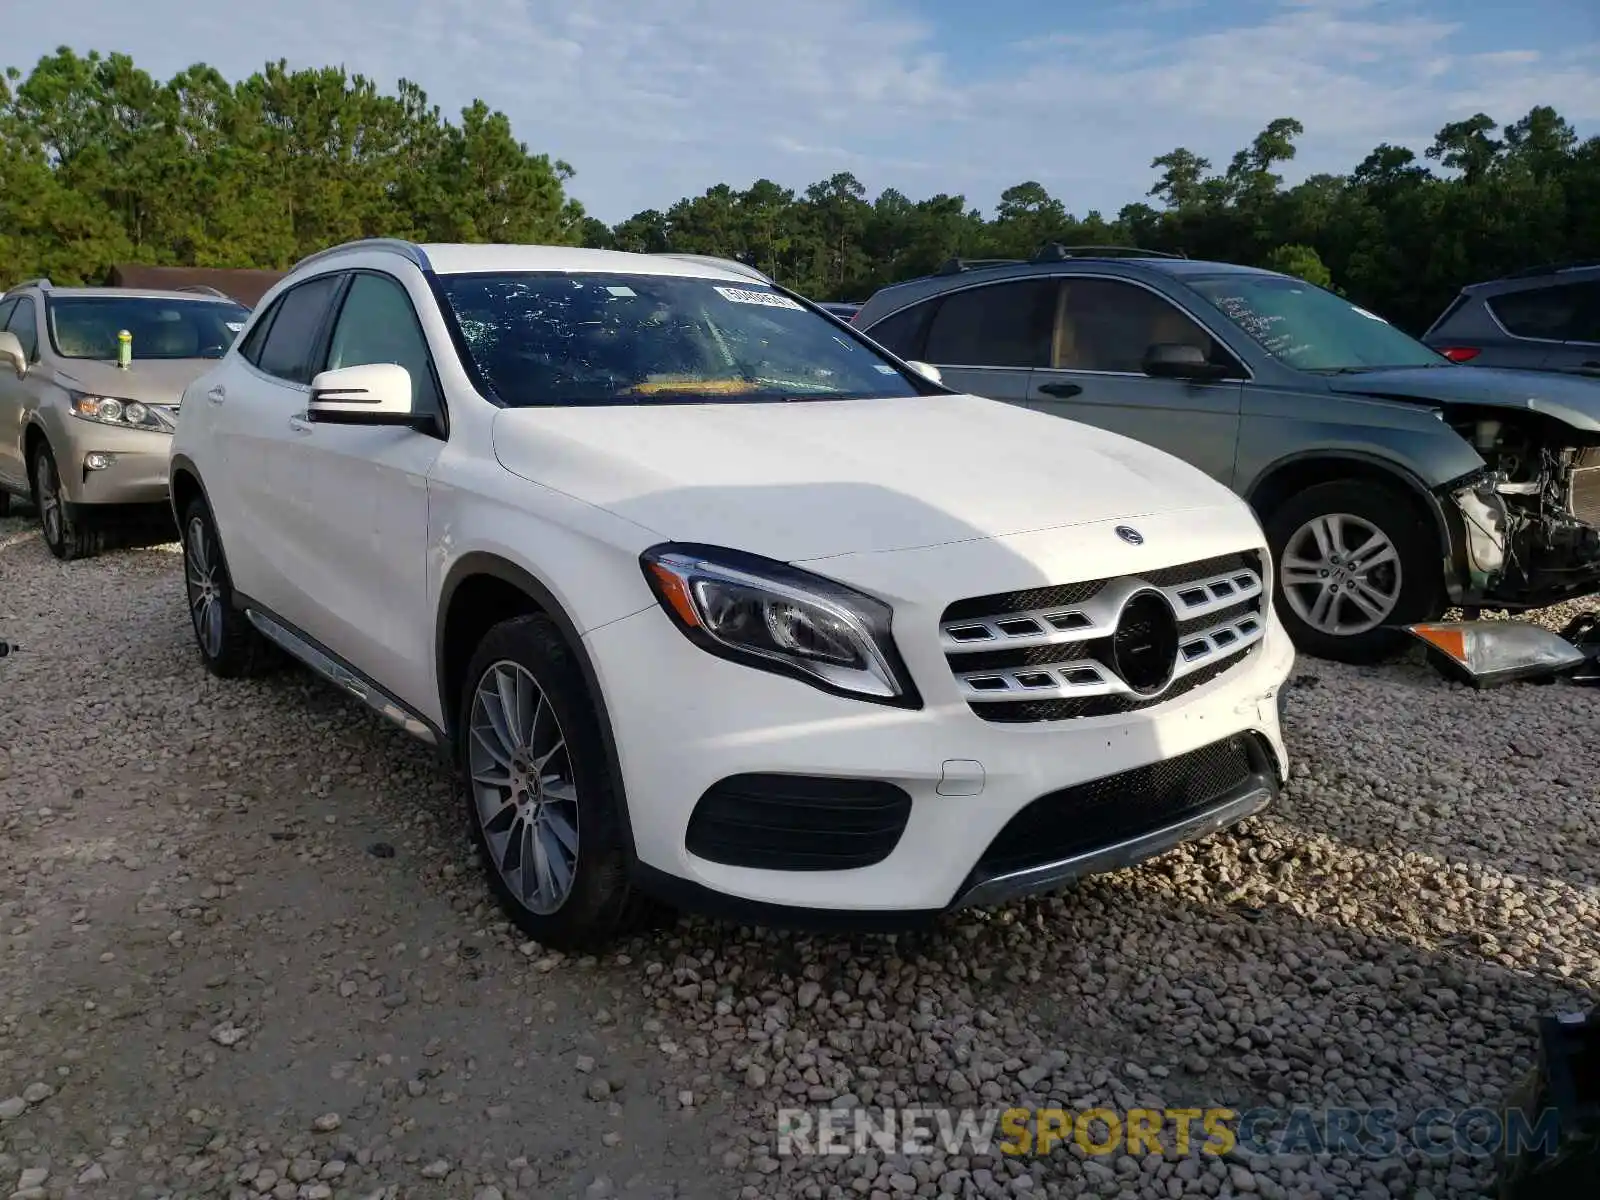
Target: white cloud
<point>651,101</point>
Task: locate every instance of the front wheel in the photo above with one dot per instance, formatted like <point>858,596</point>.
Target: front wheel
<point>68,535</point>
<point>543,806</point>
<point>1355,560</point>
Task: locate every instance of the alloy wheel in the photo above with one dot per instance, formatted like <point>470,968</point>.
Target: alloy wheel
<point>205,594</point>
<point>48,488</point>
<point>1341,574</point>
<point>523,788</point>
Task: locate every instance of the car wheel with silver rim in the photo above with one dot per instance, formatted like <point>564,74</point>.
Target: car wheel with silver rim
<point>69,535</point>
<point>1353,564</point>
<point>540,796</point>
<point>229,645</point>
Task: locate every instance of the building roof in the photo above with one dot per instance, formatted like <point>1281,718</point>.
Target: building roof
<point>244,284</point>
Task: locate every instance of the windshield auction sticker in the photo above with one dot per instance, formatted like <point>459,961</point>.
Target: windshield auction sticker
<point>769,299</point>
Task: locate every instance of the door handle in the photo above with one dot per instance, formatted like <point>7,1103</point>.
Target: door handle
<point>216,395</point>
<point>1062,390</point>
<point>300,425</point>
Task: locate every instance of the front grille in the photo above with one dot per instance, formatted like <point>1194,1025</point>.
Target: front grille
<point>1092,816</point>
<point>798,822</point>
<point>1052,653</point>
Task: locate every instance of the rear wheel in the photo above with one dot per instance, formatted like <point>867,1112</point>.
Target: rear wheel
<point>229,645</point>
<point>540,797</point>
<point>70,535</point>
<point>1355,560</point>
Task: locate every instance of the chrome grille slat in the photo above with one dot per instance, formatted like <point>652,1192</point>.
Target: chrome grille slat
<point>1054,652</point>
<point>1096,617</point>
<point>1086,677</point>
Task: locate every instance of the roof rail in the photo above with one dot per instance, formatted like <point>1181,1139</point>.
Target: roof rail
<point>717,260</point>
<point>205,289</point>
<point>1553,268</point>
<point>1056,252</point>
<point>42,283</point>
<point>412,252</point>
<point>957,264</point>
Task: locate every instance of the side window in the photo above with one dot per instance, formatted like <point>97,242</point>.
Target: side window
<point>1547,313</point>
<point>25,325</point>
<point>1586,318</point>
<point>1107,325</point>
<point>377,324</point>
<point>903,332</point>
<point>291,342</point>
<point>251,348</point>
<point>5,311</point>
<point>1001,325</point>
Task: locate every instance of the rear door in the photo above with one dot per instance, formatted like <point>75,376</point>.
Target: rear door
<point>1582,350</point>
<point>986,339</point>
<point>1543,327</point>
<point>1102,331</point>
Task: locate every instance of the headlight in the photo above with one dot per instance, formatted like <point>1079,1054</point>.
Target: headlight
<point>768,615</point>
<point>125,414</point>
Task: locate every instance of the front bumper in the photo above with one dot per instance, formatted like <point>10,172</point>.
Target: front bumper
<point>135,474</point>
<point>685,722</point>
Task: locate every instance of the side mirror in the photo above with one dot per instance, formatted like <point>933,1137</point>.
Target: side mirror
<point>375,394</point>
<point>1175,360</point>
<point>11,353</point>
<point>926,370</point>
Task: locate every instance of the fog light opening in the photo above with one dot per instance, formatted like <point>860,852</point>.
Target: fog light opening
<point>98,460</point>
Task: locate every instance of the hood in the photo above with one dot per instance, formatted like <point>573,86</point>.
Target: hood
<point>150,381</point>
<point>1572,399</point>
<point>814,479</point>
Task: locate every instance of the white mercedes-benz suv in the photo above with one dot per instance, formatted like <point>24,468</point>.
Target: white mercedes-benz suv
<point>710,599</point>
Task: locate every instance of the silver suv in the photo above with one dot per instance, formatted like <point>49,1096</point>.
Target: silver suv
<point>1542,319</point>
<point>90,380</point>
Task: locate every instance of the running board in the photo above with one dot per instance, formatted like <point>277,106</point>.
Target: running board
<point>343,677</point>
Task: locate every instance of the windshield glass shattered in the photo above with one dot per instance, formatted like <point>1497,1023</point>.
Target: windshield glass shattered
<point>548,338</point>
<point>1304,326</point>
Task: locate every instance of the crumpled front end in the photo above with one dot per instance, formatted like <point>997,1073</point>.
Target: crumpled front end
<point>1529,522</point>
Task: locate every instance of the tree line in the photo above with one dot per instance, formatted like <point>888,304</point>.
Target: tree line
<point>101,163</point>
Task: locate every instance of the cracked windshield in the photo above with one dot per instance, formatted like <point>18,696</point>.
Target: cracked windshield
<point>562,339</point>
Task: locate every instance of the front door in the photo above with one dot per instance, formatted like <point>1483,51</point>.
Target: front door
<point>1103,329</point>
<point>362,563</point>
<point>13,471</point>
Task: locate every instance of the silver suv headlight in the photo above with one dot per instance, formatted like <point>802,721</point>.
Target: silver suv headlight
<point>124,414</point>
<point>774,617</point>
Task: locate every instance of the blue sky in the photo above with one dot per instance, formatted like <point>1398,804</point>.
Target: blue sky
<point>651,100</point>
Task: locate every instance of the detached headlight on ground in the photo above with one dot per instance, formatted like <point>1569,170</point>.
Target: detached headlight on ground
<point>1484,653</point>
<point>124,414</point>
<point>768,615</point>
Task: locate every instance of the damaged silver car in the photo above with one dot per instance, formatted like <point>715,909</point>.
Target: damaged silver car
<point>1392,483</point>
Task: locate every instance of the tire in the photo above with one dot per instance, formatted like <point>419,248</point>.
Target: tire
<point>70,536</point>
<point>565,790</point>
<point>1400,584</point>
<point>230,647</point>
<point>5,504</point>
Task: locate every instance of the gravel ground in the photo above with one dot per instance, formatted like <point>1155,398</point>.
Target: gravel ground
<point>245,952</point>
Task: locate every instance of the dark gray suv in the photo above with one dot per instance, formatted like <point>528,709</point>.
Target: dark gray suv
<point>1391,482</point>
<point>1541,319</point>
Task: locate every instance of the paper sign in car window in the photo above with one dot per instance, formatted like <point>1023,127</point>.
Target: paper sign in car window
<point>766,299</point>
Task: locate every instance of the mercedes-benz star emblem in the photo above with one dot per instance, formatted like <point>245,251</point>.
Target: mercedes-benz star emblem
<point>1130,535</point>
<point>1144,650</point>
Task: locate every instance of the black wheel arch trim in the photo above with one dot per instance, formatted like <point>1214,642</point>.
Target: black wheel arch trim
<point>1450,542</point>
<point>477,563</point>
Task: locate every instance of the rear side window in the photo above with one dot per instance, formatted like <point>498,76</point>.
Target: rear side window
<point>902,333</point>
<point>1547,313</point>
<point>250,348</point>
<point>291,343</point>
<point>5,311</point>
<point>999,325</point>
